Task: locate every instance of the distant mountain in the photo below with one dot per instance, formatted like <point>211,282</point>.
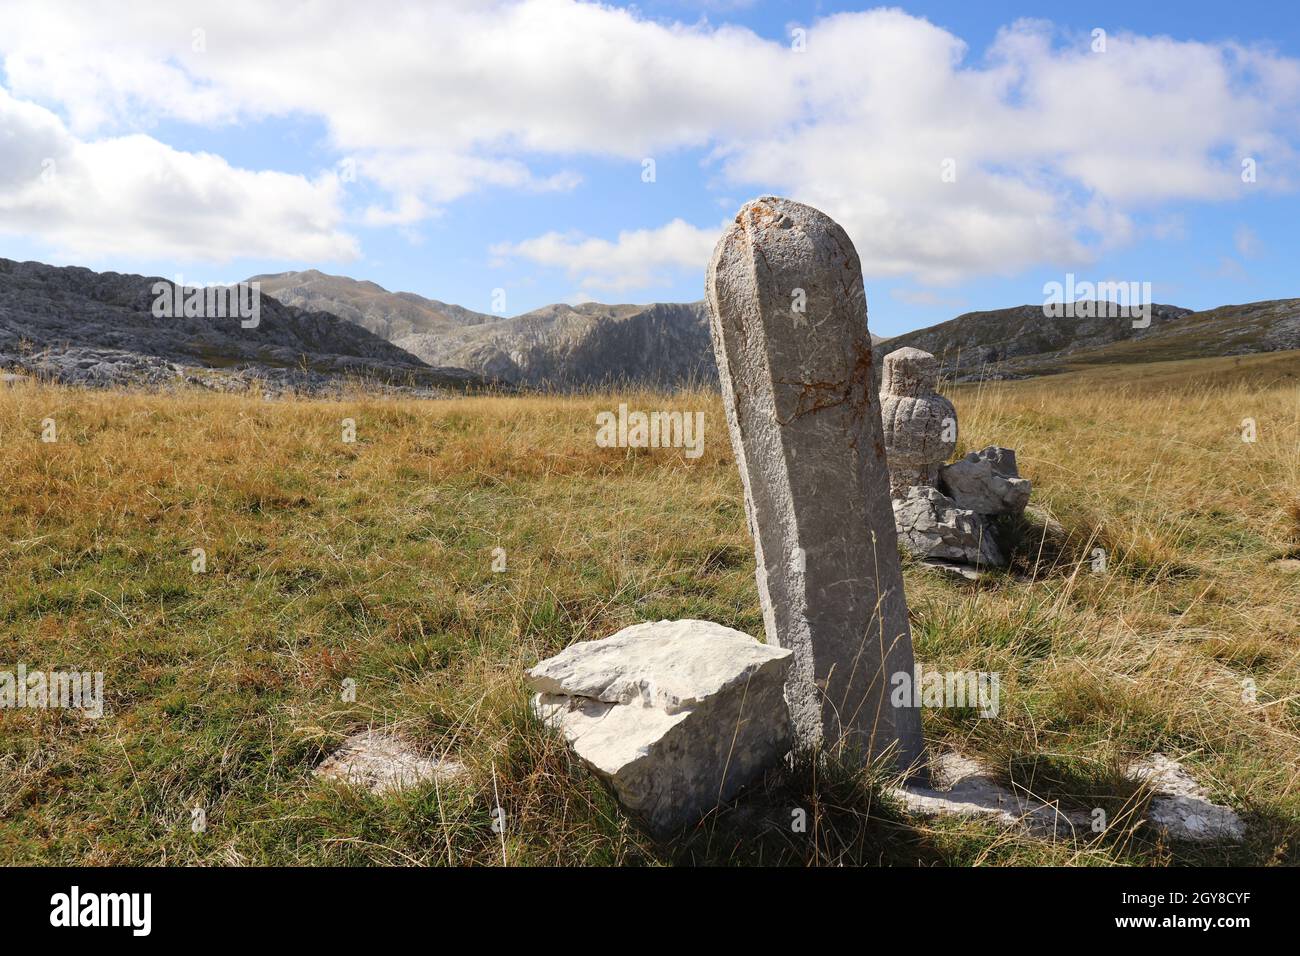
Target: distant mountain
<point>389,315</point>
<point>1021,342</point>
<point>557,346</point>
<point>583,346</point>
<point>76,326</point>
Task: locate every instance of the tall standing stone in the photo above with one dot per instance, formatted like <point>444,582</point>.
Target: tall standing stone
<point>789,323</point>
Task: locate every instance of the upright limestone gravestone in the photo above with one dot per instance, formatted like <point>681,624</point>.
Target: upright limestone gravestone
<point>789,323</point>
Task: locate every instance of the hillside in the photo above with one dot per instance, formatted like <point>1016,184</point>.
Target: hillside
<point>76,326</point>
<point>389,315</point>
<point>1021,342</point>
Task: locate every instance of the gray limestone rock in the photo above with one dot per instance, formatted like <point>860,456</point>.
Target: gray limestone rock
<point>1182,808</point>
<point>931,526</point>
<point>986,482</point>
<point>789,325</point>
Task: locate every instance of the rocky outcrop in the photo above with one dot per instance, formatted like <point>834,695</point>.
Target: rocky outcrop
<point>675,716</point>
<point>930,526</point>
<point>75,326</point>
<point>986,482</point>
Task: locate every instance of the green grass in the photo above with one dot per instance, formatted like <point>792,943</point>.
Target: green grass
<point>372,561</point>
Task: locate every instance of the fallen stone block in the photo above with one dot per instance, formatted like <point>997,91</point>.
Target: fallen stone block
<point>952,569</point>
<point>986,482</point>
<point>930,526</point>
<point>674,716</point>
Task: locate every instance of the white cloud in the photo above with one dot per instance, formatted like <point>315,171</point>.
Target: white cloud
<point>1247,242</point>
<point>1058,151</point>
<point>136,196</point>
<point>637,259</point>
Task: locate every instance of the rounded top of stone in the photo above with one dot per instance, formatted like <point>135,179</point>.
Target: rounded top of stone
<point>910,371</point>
<point>780,212</point>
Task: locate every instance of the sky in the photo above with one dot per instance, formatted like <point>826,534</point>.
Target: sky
<point>568,151</point>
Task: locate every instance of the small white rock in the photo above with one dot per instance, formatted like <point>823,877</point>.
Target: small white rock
<point>383,763</point>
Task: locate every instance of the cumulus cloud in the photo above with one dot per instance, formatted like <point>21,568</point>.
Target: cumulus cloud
<point>136,196</point>
<point>637,259</point>
<point>941,165</point>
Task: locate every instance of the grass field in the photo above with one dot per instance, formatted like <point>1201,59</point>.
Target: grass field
<point>372,560</point>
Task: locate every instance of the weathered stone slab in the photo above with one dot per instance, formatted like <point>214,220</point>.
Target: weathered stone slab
<point>788,316</point>
<point>675,716</point>
<point>1181,807</point>
<point>961,787</point>
<point>986,482</point>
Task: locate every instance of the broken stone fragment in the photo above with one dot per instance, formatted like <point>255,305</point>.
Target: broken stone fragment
<point>986,482</point>
<point>674,716</point>
<point>931,526</point>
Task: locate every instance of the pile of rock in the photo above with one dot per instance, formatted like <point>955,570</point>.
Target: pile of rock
<point>942,512</point>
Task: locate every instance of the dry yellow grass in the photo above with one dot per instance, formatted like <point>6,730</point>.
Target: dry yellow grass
<point>372,561</point>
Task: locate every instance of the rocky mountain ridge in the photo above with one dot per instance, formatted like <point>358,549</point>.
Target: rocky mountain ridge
<point>75,326</point>
<point>560,346</point>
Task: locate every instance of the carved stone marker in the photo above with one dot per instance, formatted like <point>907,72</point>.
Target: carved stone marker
<point>920,424</point>
<point>788,315</point>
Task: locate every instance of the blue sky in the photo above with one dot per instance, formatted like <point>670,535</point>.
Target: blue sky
<point>974,151</point>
